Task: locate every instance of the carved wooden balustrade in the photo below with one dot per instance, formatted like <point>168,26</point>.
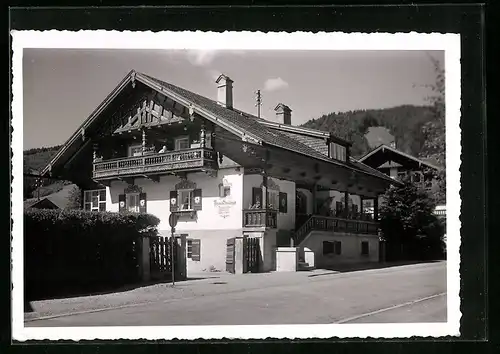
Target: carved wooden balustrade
<point>260,218</point>
<point>155,163</point>
<point>326,223</point>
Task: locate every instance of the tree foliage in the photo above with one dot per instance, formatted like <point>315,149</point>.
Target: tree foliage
<point>74,198</point>
<point>434,130</point>
<point>407,219</point>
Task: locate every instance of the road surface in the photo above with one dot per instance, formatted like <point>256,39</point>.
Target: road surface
<point>398,294</point>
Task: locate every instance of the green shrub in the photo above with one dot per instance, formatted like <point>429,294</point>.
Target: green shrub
<point>80,251</point>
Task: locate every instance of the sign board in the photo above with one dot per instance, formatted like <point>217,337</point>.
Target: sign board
<point>172,220</point>
<point>224,207</point>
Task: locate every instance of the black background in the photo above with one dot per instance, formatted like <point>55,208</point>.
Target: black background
<point>472,21</point>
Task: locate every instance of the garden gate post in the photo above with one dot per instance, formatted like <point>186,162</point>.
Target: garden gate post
<point>239,256</point>
<point>145,259</point>
<point>181,264</point>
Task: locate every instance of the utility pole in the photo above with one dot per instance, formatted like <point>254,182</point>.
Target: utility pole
<point>258,98</point>
<point>38,183</point>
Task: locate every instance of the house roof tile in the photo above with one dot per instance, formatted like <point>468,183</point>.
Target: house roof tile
<point>300,143</point>
<point>256,128</point>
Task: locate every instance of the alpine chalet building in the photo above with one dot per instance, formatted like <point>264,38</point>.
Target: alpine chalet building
<point>154,147</point>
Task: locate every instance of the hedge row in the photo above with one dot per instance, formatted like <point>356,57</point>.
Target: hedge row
<point>77,251</point>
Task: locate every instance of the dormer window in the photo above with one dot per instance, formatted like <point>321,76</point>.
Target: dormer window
<point>182,143</point>
<point>338,152</point>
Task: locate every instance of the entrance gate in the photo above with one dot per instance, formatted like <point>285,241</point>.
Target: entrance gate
<point>160,257</point>
<point>251,250</point>
<point>251,255</point>
<point>230,255</point>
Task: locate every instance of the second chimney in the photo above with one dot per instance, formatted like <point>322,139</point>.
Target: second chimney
<point>283,114</point>
<point>225,91</point>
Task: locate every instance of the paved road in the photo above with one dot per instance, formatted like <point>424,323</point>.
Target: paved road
<point>399,294</point>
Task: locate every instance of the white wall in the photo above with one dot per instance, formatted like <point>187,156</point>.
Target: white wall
<point>286,221</point>
<point>351,248</point>
<point>209,218</point>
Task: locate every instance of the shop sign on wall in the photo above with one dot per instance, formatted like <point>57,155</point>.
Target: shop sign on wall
<point>224,207</point>
<point>225,203</point>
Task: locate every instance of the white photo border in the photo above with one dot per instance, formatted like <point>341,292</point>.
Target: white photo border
<point>101,39</point>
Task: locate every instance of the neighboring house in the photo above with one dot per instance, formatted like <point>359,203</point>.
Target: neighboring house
<point>157,148</point>
<point>43,203</point>
<point>398,164</point>
<point>58,199</point>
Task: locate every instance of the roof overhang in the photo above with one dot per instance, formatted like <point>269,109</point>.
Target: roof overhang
<point>384,153</point>
<point>131,78</point>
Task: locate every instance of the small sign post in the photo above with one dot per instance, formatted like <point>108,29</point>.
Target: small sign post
<point>172,220</point>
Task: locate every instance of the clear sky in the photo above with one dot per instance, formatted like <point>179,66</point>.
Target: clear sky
<point>62,87</point>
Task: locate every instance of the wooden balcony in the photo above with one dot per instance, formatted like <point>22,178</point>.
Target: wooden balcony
<point>155,164</point>
<point>333,224</point>
<point>260,218</point>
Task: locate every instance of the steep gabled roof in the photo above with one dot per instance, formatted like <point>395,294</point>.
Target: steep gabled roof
<point>249,127</point>
<point>43,203</point>
<point>383,147</point>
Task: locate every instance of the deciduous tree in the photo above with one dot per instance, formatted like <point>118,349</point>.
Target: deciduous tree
<point>408,223</point>
<point>434,147</point>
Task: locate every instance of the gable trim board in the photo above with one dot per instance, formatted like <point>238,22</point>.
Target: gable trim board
<point>259,136</point>
<point>396,151</point>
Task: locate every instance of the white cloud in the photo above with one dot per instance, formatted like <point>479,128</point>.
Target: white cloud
<point>275,84</point>
<point>201,57</point>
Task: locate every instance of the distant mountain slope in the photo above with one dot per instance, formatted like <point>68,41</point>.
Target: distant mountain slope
<point>403,122</point>
<point>34,161</point>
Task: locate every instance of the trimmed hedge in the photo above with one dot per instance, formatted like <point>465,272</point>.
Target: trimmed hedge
<point>75,251</point>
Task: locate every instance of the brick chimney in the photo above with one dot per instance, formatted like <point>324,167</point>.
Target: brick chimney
<point>225,91</point>
<point>283,114</point>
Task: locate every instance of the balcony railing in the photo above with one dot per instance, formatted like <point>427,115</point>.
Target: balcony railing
<point>260,218</point>
<point>326,223</point>
<point>153,163</point>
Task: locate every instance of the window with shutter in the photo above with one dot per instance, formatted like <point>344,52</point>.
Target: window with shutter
<point>182,143</point>
<point>338,247</point>
<point>273,199</point>
<point>185,200</point>
<point>328,247</point>
<point>121,203</point>
<point>189,247</point>
<point>365,251</point>
<point>94,200</point>
<point>257,197</point>
<point>283,203</point>
<point>338,152</point>
<point>194,249</point>
<point>173,201</point>
<point>132,202</point>
<point>197,199</point>
<point>142,203</point>
<point>224,191</point>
